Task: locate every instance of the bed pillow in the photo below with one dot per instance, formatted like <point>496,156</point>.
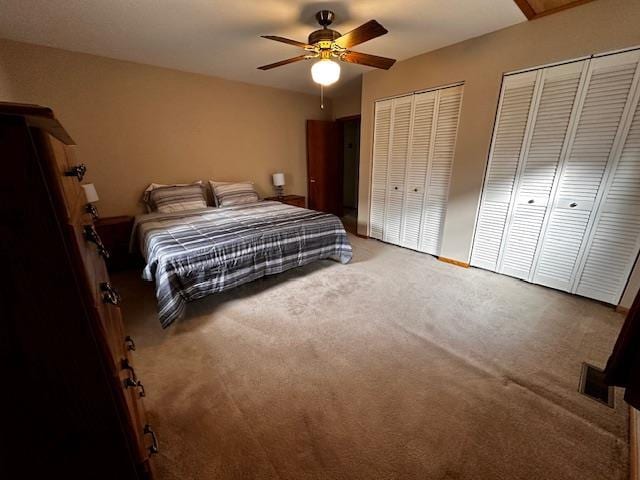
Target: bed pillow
<point>229,193</point>
<point>177,198</point>
<point>153,186</point>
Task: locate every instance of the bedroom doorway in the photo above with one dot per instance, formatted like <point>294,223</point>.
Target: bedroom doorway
<point>350,127</point>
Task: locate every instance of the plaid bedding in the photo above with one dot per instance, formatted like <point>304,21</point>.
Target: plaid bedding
<point>194,253</point>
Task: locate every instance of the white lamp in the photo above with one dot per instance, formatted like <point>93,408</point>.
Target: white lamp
<point>92,197</point>
<point>325,72</point>
<point>279,183</point>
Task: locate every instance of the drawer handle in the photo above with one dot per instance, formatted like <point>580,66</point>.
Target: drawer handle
<point>141,387</point>
<point>131,345</point>
<point>153,449</point>
<point>127,366</point>
<point>109,294</point>
<point>78,171</point>
<point>573,205</point>
<point>92,210</point>
<point>91,235</point>
<point>130,382</point>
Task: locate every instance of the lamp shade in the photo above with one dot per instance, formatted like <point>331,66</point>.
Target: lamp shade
<point>325,72</point>
<point>90,193</point>
<point>278,179</point>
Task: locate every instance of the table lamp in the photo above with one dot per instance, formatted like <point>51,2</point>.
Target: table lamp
<point>278,183</point>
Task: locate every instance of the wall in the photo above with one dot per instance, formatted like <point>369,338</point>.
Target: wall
<point>136,124</point>
<point>595,27</point>
<point>347,98</point>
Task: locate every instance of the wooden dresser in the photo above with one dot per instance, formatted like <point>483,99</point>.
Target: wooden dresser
<point>71,401</point>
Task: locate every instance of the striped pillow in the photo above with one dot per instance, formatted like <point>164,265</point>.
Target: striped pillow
<point>177,198</point>
<point>233,193</point>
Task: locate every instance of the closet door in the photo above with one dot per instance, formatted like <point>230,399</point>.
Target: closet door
<point>504,158</point>
<point>603,103</point>
<point>554,108</point>
<point>382,130</point>
<point>398,148</point>
<point>420,151</point>
<point>448,105</point>
<point>615,237</point>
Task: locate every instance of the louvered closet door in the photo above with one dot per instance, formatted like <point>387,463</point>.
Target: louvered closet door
<point>508,137</point>
<point>606,95</point>
<point>382,130</point>
<point>420,151</point>
<point>615,237</point>
<point>439,175</point>
<point>553,106</point>
<point>398,148</point>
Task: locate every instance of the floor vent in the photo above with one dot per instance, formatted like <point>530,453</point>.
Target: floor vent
<point>592,385</point>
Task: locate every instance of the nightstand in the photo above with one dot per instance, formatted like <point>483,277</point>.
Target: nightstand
<point>115,233</point>
<point>294,200</point>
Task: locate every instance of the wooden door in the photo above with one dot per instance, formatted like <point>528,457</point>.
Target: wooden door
<point>324,166</point>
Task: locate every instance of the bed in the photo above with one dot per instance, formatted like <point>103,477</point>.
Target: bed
<point>195,253</point>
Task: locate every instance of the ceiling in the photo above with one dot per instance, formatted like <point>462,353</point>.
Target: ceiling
<point>222,38</point>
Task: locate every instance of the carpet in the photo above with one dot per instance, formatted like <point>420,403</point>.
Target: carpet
<point>395,366</point>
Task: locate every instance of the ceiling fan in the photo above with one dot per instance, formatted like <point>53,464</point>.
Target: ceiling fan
<point>327,44</point>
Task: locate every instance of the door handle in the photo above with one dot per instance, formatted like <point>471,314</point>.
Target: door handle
<point>531,201</point>
<point>573,205</point>
<point>415,189</point>
<point>312,180</point>
<point>395,188</point>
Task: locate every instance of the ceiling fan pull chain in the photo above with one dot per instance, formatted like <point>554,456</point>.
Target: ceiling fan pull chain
<point>321,97</point>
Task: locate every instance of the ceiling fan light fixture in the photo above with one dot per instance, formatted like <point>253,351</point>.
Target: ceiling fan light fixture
<point>325,72</point>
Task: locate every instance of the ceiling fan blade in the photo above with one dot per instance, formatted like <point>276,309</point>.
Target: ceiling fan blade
<point>365,32</point>
<point>295,43</point>
<point>369,60</point>
<point>283,62</point>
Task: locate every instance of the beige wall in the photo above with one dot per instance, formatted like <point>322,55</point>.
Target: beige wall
<point>595,27</point>
<point>136,124</point>
<point>347,100</point>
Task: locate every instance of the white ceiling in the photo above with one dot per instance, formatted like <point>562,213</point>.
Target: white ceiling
<point>222,38</point>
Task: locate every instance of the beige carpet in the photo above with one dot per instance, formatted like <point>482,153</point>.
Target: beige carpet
<point>396,366</point>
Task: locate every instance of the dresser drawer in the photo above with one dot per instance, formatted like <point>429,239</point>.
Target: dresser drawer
<point>133,392</point>
<point>67,173</point>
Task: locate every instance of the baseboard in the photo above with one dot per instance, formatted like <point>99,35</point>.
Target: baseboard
<point>454,262</point>
<point>634,446</point>
<point>621,309</point>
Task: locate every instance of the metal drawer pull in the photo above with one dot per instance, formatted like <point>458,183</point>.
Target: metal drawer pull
<point>130,382</point>
<point>573,205</point>
<point>77,171</point>
<point>141,387</point>
<point>127,366</point>
<point>91,235</point>
<point>131,345</point>
<point>92,210</point>
<point>153,449</point>
<point>109,294</point>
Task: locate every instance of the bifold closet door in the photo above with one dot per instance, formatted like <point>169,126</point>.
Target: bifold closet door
<point>614,241</point>
<point>603,106</point>
<point>445,132</point>
<point>420,151</point>
<point>504,158</point>
<point>381,134</point>
<point>553,108</point>
<point>401,111</point>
